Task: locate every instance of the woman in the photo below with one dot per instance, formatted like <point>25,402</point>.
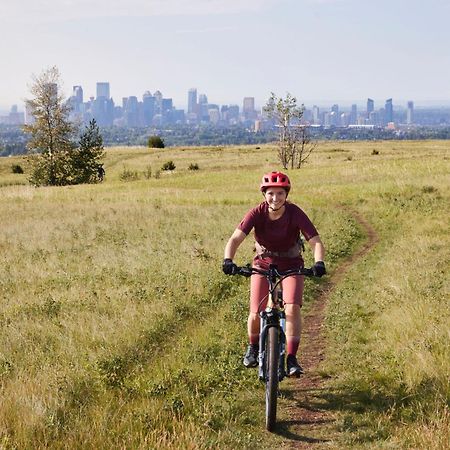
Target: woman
<point>277,226</point>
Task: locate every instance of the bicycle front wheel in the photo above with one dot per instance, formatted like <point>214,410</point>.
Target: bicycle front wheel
<point>272,364</point>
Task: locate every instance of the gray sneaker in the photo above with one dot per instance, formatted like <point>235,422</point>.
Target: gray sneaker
<point>293,367</point>
<point>251,356</point>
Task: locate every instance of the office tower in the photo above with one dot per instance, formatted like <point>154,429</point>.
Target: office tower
<point>166,110</point>
<point>103,90</point>
<point>354,115</point>
<point>315,114</point>
<point>249,104</point>
<point>334,115</point>
<point>158,101</point>
<point>103,111</point>
<point>214,115</point>
<point>410,113</point>
<point>166,105</point>
<point>192,100</point>
<point>132,112</point>
<point>202,108</point>
<point>78,94</point>
<point>388,111</point>
<point>374,117</point>
<point>370,107</point>
<point>248,108</point>
<point>233,114</point>
<point>148,108</point>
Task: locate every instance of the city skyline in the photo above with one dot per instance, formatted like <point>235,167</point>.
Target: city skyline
<point>321,51</point>
<point>346,104</point>
<point>157,110</point>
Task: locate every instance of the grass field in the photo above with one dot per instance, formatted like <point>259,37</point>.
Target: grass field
<point>118,329</point>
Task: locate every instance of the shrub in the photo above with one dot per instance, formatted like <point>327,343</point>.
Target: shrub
<point>15,168</point>
<point>129,175</point>
<point>158,174</point>
<point>169,165</point>
<point>375,152</point>
<point>155,142</point>
<point>148,172</point>
<point>193,166</point>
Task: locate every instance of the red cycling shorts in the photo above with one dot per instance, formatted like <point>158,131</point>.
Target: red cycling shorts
<point>259,289</point>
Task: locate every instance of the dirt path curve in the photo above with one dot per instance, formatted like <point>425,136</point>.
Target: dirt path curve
<point>308,422</point>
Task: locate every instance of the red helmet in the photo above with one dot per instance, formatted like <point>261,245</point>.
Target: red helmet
<point>275,179</point>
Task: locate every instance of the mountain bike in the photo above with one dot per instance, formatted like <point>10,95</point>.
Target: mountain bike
<point>272,337</point>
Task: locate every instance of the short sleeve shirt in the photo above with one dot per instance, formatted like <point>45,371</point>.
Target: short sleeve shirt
<point>281,234</point>
<point>278,235</point>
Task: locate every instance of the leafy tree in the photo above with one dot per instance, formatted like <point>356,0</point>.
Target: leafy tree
<point>51,142</point>
<point>86,159</point>
<point>294,144</point>
<point>155,142</point>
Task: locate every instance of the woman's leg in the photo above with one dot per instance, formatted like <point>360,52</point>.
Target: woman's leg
<point>259,290</point>
<point>292,295</point>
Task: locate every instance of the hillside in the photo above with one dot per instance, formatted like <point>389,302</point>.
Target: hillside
<point>119,330</point>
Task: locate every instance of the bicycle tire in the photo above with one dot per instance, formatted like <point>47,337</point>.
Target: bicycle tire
<point>272,364</point>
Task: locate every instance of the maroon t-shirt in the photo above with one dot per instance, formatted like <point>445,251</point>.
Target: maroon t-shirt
<point>278,235</point>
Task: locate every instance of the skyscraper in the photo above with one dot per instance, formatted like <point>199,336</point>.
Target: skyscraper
<point>103,90</point>
<point>249,104</point>
<point>354,115</point>
<point>334,115</point>
<point>248,108</point>
<point>370,107</point>
<point>315,114</point>
<point>78,94</point>
<point>410,113</point>
<point>389,111</point>
<point>148,106</point>
<point>192,100</point>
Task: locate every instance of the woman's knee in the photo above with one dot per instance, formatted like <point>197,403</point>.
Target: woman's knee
<point>292,309</point>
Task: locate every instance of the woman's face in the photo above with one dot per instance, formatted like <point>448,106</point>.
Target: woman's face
<point>275,197</point>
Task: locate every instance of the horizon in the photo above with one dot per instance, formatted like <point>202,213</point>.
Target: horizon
<point>344,104</point>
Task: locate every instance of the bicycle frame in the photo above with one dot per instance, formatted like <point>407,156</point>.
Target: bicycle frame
<point>273,316</point>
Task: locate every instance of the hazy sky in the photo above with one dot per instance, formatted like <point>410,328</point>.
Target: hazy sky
<point>321,51</point>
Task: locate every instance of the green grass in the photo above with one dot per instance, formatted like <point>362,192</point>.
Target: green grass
<point>118,328</point>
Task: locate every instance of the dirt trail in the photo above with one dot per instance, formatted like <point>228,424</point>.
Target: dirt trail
<point>308,420</point>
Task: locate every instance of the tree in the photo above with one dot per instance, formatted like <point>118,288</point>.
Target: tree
<point>155,142</point>
<point>294,144</point>
<point>51,142</point>
<point>86,159</point>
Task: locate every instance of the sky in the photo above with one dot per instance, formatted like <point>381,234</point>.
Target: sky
<point>321,51</point>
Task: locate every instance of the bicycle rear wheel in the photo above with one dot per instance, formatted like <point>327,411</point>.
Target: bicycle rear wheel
<point>272,363</point>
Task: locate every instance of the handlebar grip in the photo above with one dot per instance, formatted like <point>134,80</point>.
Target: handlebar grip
<point>245,271</point>
<point>308,272</point>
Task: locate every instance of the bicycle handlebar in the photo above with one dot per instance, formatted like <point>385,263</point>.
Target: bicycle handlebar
<point>247,271</point>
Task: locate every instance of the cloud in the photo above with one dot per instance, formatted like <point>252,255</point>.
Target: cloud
<point>51,10</point>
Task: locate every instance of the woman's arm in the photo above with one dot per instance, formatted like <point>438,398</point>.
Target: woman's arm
<point>317,247</point>
<point>233,243</point>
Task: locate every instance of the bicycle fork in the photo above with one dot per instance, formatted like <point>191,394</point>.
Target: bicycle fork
<point>272,318</point>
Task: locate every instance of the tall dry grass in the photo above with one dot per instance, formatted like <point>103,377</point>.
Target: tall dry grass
<point>118,329</point>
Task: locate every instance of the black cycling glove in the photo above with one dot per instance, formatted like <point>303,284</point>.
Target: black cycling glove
<point>229,267</point>
<point>319,269</point>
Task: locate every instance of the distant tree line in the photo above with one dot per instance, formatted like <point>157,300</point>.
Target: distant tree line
<point>13,140</point>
